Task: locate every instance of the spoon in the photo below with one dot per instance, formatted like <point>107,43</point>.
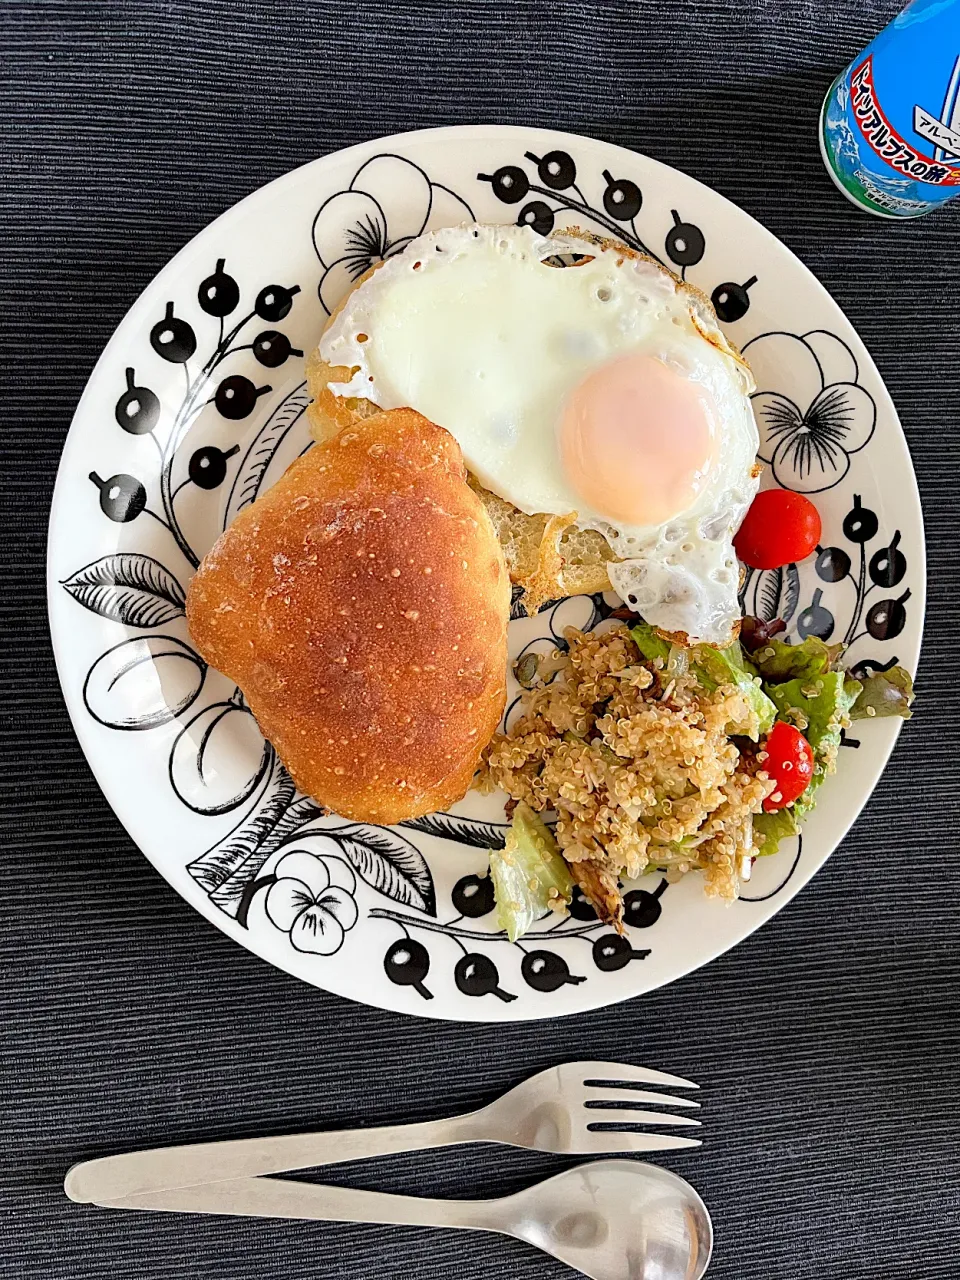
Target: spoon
<point>611,1220</point>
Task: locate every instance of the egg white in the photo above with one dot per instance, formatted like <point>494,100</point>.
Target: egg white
<point>474,329</point>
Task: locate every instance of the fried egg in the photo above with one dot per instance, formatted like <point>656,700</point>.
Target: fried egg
<point>596,385</point>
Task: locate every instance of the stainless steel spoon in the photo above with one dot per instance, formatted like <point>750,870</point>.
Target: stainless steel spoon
<point>612,1220</point>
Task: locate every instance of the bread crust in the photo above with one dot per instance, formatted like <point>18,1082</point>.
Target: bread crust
<point>362,605</point>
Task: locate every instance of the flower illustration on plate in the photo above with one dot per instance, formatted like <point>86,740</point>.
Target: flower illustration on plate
<point>353,231</point>
<point>820,414</point>
<point>308,904</point>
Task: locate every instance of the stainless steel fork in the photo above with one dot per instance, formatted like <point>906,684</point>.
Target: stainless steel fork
<point>579,1108</point>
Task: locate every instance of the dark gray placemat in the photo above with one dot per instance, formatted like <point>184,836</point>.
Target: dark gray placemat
<point>827,1044</point>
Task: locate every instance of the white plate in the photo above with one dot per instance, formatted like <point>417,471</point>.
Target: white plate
<point>396,918</point>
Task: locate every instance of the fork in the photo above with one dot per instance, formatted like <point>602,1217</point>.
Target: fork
<point>578,1108</point>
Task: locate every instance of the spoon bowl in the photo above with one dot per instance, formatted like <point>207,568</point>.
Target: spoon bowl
<point>615,1220</point>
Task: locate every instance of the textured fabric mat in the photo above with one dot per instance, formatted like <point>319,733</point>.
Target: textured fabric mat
<point>827,1043</point>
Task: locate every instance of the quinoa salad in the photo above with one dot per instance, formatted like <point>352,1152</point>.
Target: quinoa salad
<point>633,754</point>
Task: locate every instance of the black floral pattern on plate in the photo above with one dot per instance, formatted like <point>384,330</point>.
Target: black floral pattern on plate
<point>363,225</point>
<point>616,211</point>
<point>407,961</point>
<point>808,443</point>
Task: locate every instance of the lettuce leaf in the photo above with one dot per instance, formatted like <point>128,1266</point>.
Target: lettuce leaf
<point>651,645</point>
<point>825,702</point>
<point>777,661</point>
<point>885,693</point>
<point>530,876</point>
<point>713,667</point>
<point>775,827</point>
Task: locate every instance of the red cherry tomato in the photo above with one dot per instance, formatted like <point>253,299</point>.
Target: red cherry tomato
<point>789,763</point>
<point>780,528</point>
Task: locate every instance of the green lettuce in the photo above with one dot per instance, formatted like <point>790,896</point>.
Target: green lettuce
<point>727,666</point>
<point>530,876</point>
<point>777,661</point>
<point>713,667</point>
<point>775,827</point>
<point>825,702</point>
<point>651,645</point>
<point>885,693</point>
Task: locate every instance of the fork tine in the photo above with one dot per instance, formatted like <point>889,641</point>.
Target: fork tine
<point>635,1095</point>
<point>612,1141</point>
<point>633,1116</point>
<point>612,1073</point>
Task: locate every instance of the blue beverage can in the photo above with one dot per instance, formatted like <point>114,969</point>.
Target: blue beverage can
<point>890,124</point>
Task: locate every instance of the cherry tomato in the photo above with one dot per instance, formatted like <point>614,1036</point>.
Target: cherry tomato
<point>780,528</point>
<point>789,763</point>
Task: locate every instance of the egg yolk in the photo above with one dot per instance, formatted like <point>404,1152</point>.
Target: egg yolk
<point>637,439</point>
